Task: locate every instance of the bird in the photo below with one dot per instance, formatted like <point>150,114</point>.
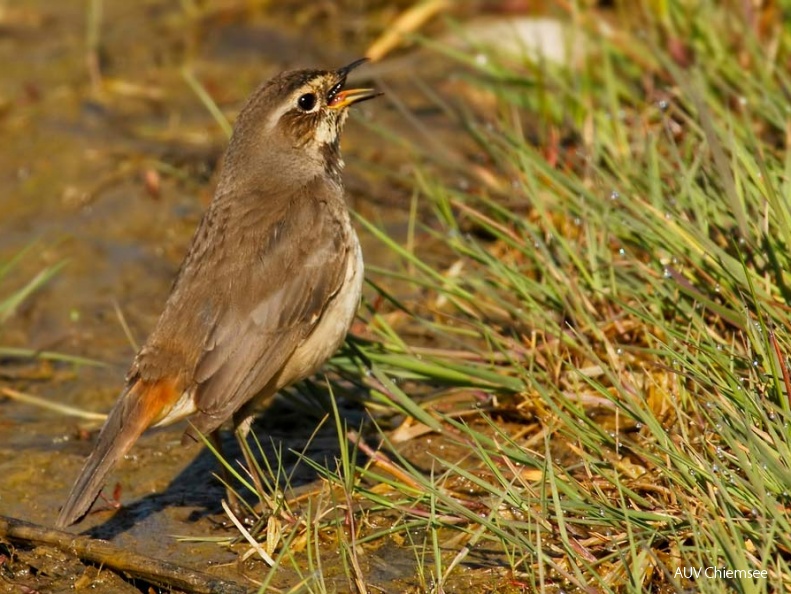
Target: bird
<point>268,289</point>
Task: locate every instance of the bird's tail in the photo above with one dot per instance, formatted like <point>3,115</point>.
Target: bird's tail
<point>140,406</point>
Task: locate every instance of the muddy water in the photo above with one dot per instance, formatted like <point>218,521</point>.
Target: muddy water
<point>110,176</point>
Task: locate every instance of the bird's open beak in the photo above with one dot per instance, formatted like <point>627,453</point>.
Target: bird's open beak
<point>349,96</point>
<point>339,97</point>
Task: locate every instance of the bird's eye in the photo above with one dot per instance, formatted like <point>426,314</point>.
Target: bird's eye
<point>307,101</point>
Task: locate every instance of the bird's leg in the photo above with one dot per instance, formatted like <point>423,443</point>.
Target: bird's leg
<point>243,425</point>
<point>233,499</point>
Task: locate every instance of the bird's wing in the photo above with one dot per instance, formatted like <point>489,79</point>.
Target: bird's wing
<point>299,268</point>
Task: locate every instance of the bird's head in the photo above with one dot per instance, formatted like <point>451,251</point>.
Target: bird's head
<point>291,125</point>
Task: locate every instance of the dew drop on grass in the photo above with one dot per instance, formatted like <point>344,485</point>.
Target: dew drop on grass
<point>663,104</point>
<point>638,426</point>
<point>742,101</point>
<point>622,252</point>
<point>715,469</point>
<point>668,216</point>
<point>666,273</point>
<point>619,351</point>
<point>614,195</point>
<point>717,288</point>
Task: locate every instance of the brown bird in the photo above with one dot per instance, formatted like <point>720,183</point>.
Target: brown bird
<point>270,284</point>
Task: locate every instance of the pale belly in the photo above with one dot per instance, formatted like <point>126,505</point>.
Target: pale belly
<point>331,330</point>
